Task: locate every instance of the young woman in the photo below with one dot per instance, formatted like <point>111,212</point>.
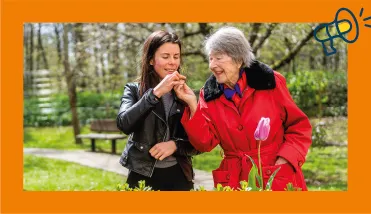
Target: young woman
<point>158,150</point>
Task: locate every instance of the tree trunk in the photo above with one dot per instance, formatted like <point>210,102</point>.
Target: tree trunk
<point>324,61</point>
<point>311,61</point>
<point>59,75</point>
<point>71,85</point>
<point>80,52</point>
<point>26,47</point>
<point>41,49</point>
<point>38,52</point>
<point>337,61</point>
<point>27,74</point>
<point>254,33</point>
<point>98,80</point>
<point>103,69</point>
<point>31,47</point>
<point>261,41</point>
<point>116,53</point>
<point>59,48</point>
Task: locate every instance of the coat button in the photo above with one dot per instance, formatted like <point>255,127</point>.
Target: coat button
<point>300,163</point>
<point>141,147</point>
<point>268,172</point>
<point>240,127</point>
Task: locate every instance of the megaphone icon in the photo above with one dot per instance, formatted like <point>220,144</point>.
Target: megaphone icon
<point>341,27</point>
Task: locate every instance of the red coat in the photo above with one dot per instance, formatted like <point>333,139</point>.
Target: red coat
<point>217,121</point>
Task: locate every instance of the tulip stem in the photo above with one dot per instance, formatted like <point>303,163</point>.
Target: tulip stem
<point>260,166</point>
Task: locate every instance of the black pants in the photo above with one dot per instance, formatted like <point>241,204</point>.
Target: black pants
<point>163,179</point>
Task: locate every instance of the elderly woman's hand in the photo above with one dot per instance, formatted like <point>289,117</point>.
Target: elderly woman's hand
<point>281,160</point>
<point>186,94</point>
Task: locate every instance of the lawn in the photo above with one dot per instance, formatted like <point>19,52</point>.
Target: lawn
<point>61,137</point>
<point>55,175</point>
<point>325,168</point>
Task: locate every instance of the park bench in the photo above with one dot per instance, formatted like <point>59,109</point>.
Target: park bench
<point>103,125</point>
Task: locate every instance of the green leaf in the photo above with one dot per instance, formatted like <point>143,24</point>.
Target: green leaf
<point>252,181</point>
<point>260,181</point>
<point>253,175</point>
<point>271,178</point>
<point>219,187</point>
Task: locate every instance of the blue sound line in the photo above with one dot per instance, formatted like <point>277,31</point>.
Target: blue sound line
<point>368,25</point>
<point>360,14</point>
<point>367,18</point>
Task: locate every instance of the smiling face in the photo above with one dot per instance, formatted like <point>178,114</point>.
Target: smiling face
<point>166,59</point>
<point>224,68</point>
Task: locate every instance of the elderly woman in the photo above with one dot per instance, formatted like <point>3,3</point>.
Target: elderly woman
<point>238,94</point>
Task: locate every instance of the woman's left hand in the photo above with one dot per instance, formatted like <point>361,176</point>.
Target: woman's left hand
<point>163,150</point>
<point>281,160</point>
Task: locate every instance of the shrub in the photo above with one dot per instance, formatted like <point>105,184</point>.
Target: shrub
<point>319,93</point>
<point>319,135</point>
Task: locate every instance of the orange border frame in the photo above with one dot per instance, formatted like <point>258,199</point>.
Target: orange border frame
<point>15,12</point>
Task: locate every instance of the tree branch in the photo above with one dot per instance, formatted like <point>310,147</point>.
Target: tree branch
<point>254,33</point>
<point>265,37</point>
<point>286,59</point>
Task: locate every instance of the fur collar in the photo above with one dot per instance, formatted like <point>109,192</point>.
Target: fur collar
<point>259,76</point>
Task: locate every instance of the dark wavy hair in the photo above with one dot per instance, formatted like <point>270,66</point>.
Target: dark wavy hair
<point>148,77</point>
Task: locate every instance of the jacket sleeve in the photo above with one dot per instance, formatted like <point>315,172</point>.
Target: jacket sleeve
<point>132,111</point>
<point>200,128</point>
<point>185,148</point>
<point>297,128</point>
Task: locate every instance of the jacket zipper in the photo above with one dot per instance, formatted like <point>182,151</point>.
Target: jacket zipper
<point>162,140</point>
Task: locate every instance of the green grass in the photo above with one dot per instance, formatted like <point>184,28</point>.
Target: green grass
<point>55,175</point>
<point>62,138</point>
<point>337,128</point>
<point>325,168</point>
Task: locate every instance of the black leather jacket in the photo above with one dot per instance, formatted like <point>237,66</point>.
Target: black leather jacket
<point>144,120</point>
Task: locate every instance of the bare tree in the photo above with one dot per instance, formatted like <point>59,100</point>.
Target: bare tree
<point>31,48</point>
<point>71,84</point>
<point>114,71</point>
<point>80,53</point>
<point>264,38</point>
<point>41,50</point>
<point>58,40</point>
<point>290,56</point>
<point>254,33</point>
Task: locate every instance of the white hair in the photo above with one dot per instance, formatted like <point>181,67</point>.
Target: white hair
<point>231,41</point>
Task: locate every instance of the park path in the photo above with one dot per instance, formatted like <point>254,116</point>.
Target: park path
<point>106,162</point>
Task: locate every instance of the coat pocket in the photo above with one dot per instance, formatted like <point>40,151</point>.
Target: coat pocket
<point>140,146</point>
<point>226,178</point>
<point>139,151</point>
<point>285,175</point>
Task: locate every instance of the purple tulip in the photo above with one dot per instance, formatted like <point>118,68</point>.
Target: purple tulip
<point>262,130</point>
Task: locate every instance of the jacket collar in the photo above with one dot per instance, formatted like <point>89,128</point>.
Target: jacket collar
<point>259,76</point>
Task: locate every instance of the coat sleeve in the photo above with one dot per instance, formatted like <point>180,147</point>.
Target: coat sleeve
<point>297,128</point>
<point>200,128</point>
<point>132,110</point>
